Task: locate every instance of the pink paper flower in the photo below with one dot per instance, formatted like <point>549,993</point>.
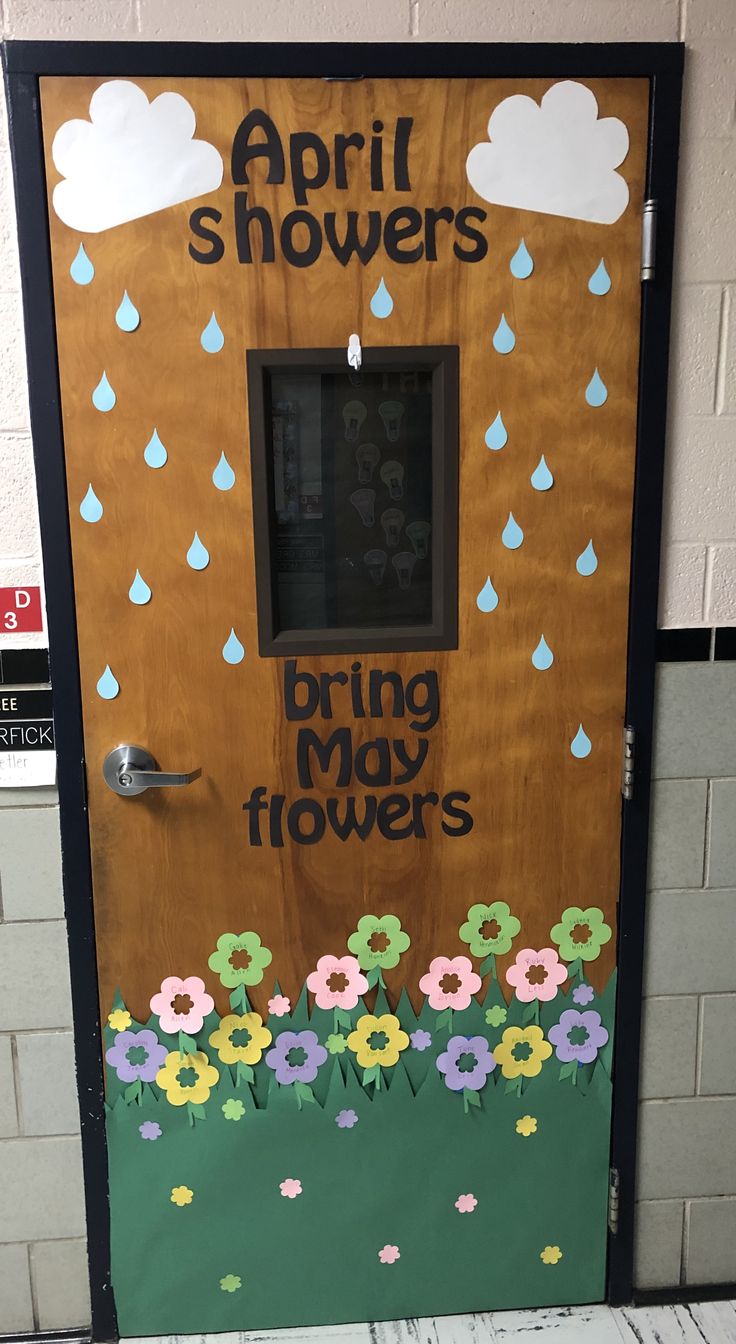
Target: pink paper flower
<point>465,1203</point>
<point>450,982</point>
<point>182,1005</point>
<point>338,982</point>
<point>290,1188</point>
<point>279,1005</point>
<point>536,975</point>
<point>389,1254</point>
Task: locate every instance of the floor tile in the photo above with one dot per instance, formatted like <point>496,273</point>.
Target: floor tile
<point>436,1330</point>
<point>704,1323</point>
<point>557,1325</point>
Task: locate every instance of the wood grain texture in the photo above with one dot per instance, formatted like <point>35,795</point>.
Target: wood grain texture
<point>173,870</point>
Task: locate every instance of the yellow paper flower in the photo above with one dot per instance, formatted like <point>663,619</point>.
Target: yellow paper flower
<point>520,1052</point>
<point>119,1019</point>
<point>377,1040</point>
<point>187,1078</point>
<point>550,1255</point>
<point>526,1125</point>
<point>241,1039</point>
<point>181,1195</point>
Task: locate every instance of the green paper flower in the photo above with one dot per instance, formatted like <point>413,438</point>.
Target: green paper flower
<point>490,929</point>
<point>378,942</point>
<point>231,1283</point>
<point>336,1044</point>
<point>496,1016</point>
<point>232,1109</point>
<point>240,959</point>
<point>581,933</point>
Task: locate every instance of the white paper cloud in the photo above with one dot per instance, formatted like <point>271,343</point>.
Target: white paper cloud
<point>556,157</point>
<point>130,159</point>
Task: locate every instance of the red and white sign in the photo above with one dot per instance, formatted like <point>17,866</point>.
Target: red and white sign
<point>20,610</point>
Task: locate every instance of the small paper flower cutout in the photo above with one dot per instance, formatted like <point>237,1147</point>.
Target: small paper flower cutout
<point>336,1043</point>
<point>550,1255</point>
<point>465,1203</point>
<point>279,1005</point>
<point>526,1125</point>
<point>346,1119</point>
<point>233,1109</point>
<point>583,994</point>
<point>388,1255</point>
<point>119,1019</point>
<point>290,1188</point>
<point>420,1040</point>
<point>496,1016</point>
<point>181,1195</point>
<point>150,1130</point>
<point>231,1283</point>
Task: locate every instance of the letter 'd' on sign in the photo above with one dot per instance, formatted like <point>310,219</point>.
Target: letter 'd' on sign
<point>20,610</point>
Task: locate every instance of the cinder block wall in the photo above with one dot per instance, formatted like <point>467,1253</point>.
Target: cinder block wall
<point>687,1179</point>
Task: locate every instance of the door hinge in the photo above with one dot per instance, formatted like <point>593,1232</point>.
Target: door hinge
<point>627,762</point>
<point>648,239</point>
<point>614,1183</point>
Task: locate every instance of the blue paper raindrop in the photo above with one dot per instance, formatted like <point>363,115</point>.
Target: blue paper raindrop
<point>543,657</point>
<point>233,651</point>
<point>108,686</point>
<point>487,599</point>
<point>522,262</point>
<point>581,744</point>
<point>504,339</point>
<point>103,397</point>
<point>81,270</point>
<point>600,280</point>
<point>139,591</point>
<point>127,316</point>
<point>496,434</point>
<point>512,535</point>
<point>90,507</point>
<point>198,557</point>
<point>596,392</point>
<point>212,339</point>
<point>154,453</point>
<point>542,478</point>
<point>587,561</point>
<point>382,305</point>
<point>223,476</point>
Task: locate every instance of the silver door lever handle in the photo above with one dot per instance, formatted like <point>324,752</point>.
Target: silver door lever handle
<point>129,770</point>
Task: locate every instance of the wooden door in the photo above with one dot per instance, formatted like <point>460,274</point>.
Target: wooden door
<point>277,1155</point>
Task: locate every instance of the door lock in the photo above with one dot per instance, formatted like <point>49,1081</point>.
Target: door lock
<point>129,770</point>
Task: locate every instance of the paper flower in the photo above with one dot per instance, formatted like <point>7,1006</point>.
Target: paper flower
<point>239,959</point>
<point>119,1019</point>
<point>378,942</point>
<point>489,929</point>
<point>420,1040</point>
<point>181,1195</point>
<point>337,982</point>
<point>296,1057</point>
<point>187,1078</point>
<point>450,982</point>
<point>581,933</point>
<point>536,975</point>
<point>522,1051</point>
<point>550,1255</point>
<point>526,1125</point>
<point>388,1255</point>
<point>290,1188</point>
<point>241,1039</point>
<point>150,1130</point>
<point>233,1109</point>
<point>231,1283</point>
<point>578,1036</point>
<point>466,1062</point>
<point>465,1203</point>
<point>583,994</point>
<point>346,1119</point>
<point>336,1043</point>
<point>377,1040</point>
<point>136,1055</point>
<point>279,1005</point>
<point>182,1005</point>
<point>496,1016</point>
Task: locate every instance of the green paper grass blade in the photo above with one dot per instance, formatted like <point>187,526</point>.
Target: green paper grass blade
<point>489,965</point>
<point>568,1070</point>
<point>187,1044</point>
<point>444,1019</point>
<point>470,1098</point>
<point>531,1012</point>
<point>514,1085</point>
<point>244,1073</point>
<point>372,1075</point>
<point>239,999</point>
<point>133,1092</point>
<point>303,1092</point>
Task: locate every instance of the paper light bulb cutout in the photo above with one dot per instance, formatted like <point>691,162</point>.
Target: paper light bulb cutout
<point>364,501</point>
<point>392,475</point>
<point>375,563</point>
<point>392,521</point>
<point>418,534</point>
<point>367,456</point>
<point>353,413</point>
<point>391,413</point>
<point>404,562</point>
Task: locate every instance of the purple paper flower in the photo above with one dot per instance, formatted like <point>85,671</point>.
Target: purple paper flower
<point>346,1119</point>
<point>149,1130</point>
<point>578,1036</point>
<point>466,1062</point>
<point>583,994</point>
<point>136,1055</point>
<point>296,1057</point>
<point>420,1040</point>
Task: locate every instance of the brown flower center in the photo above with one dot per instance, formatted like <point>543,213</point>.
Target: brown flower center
<point>581,933</point>
<point>240,959</point>
<point>181,1003</point>
<point>490,929</point>
<point>337,983</point>
<point>379,941</point>
<point>536,975</point>
<point>450,983</point>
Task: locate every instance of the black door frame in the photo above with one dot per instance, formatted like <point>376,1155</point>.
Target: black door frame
<point>24,63</point>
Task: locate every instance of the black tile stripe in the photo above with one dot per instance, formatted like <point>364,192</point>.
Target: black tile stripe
<point>725,643</point>
<point>684,646</point>
<point>23,667</point>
